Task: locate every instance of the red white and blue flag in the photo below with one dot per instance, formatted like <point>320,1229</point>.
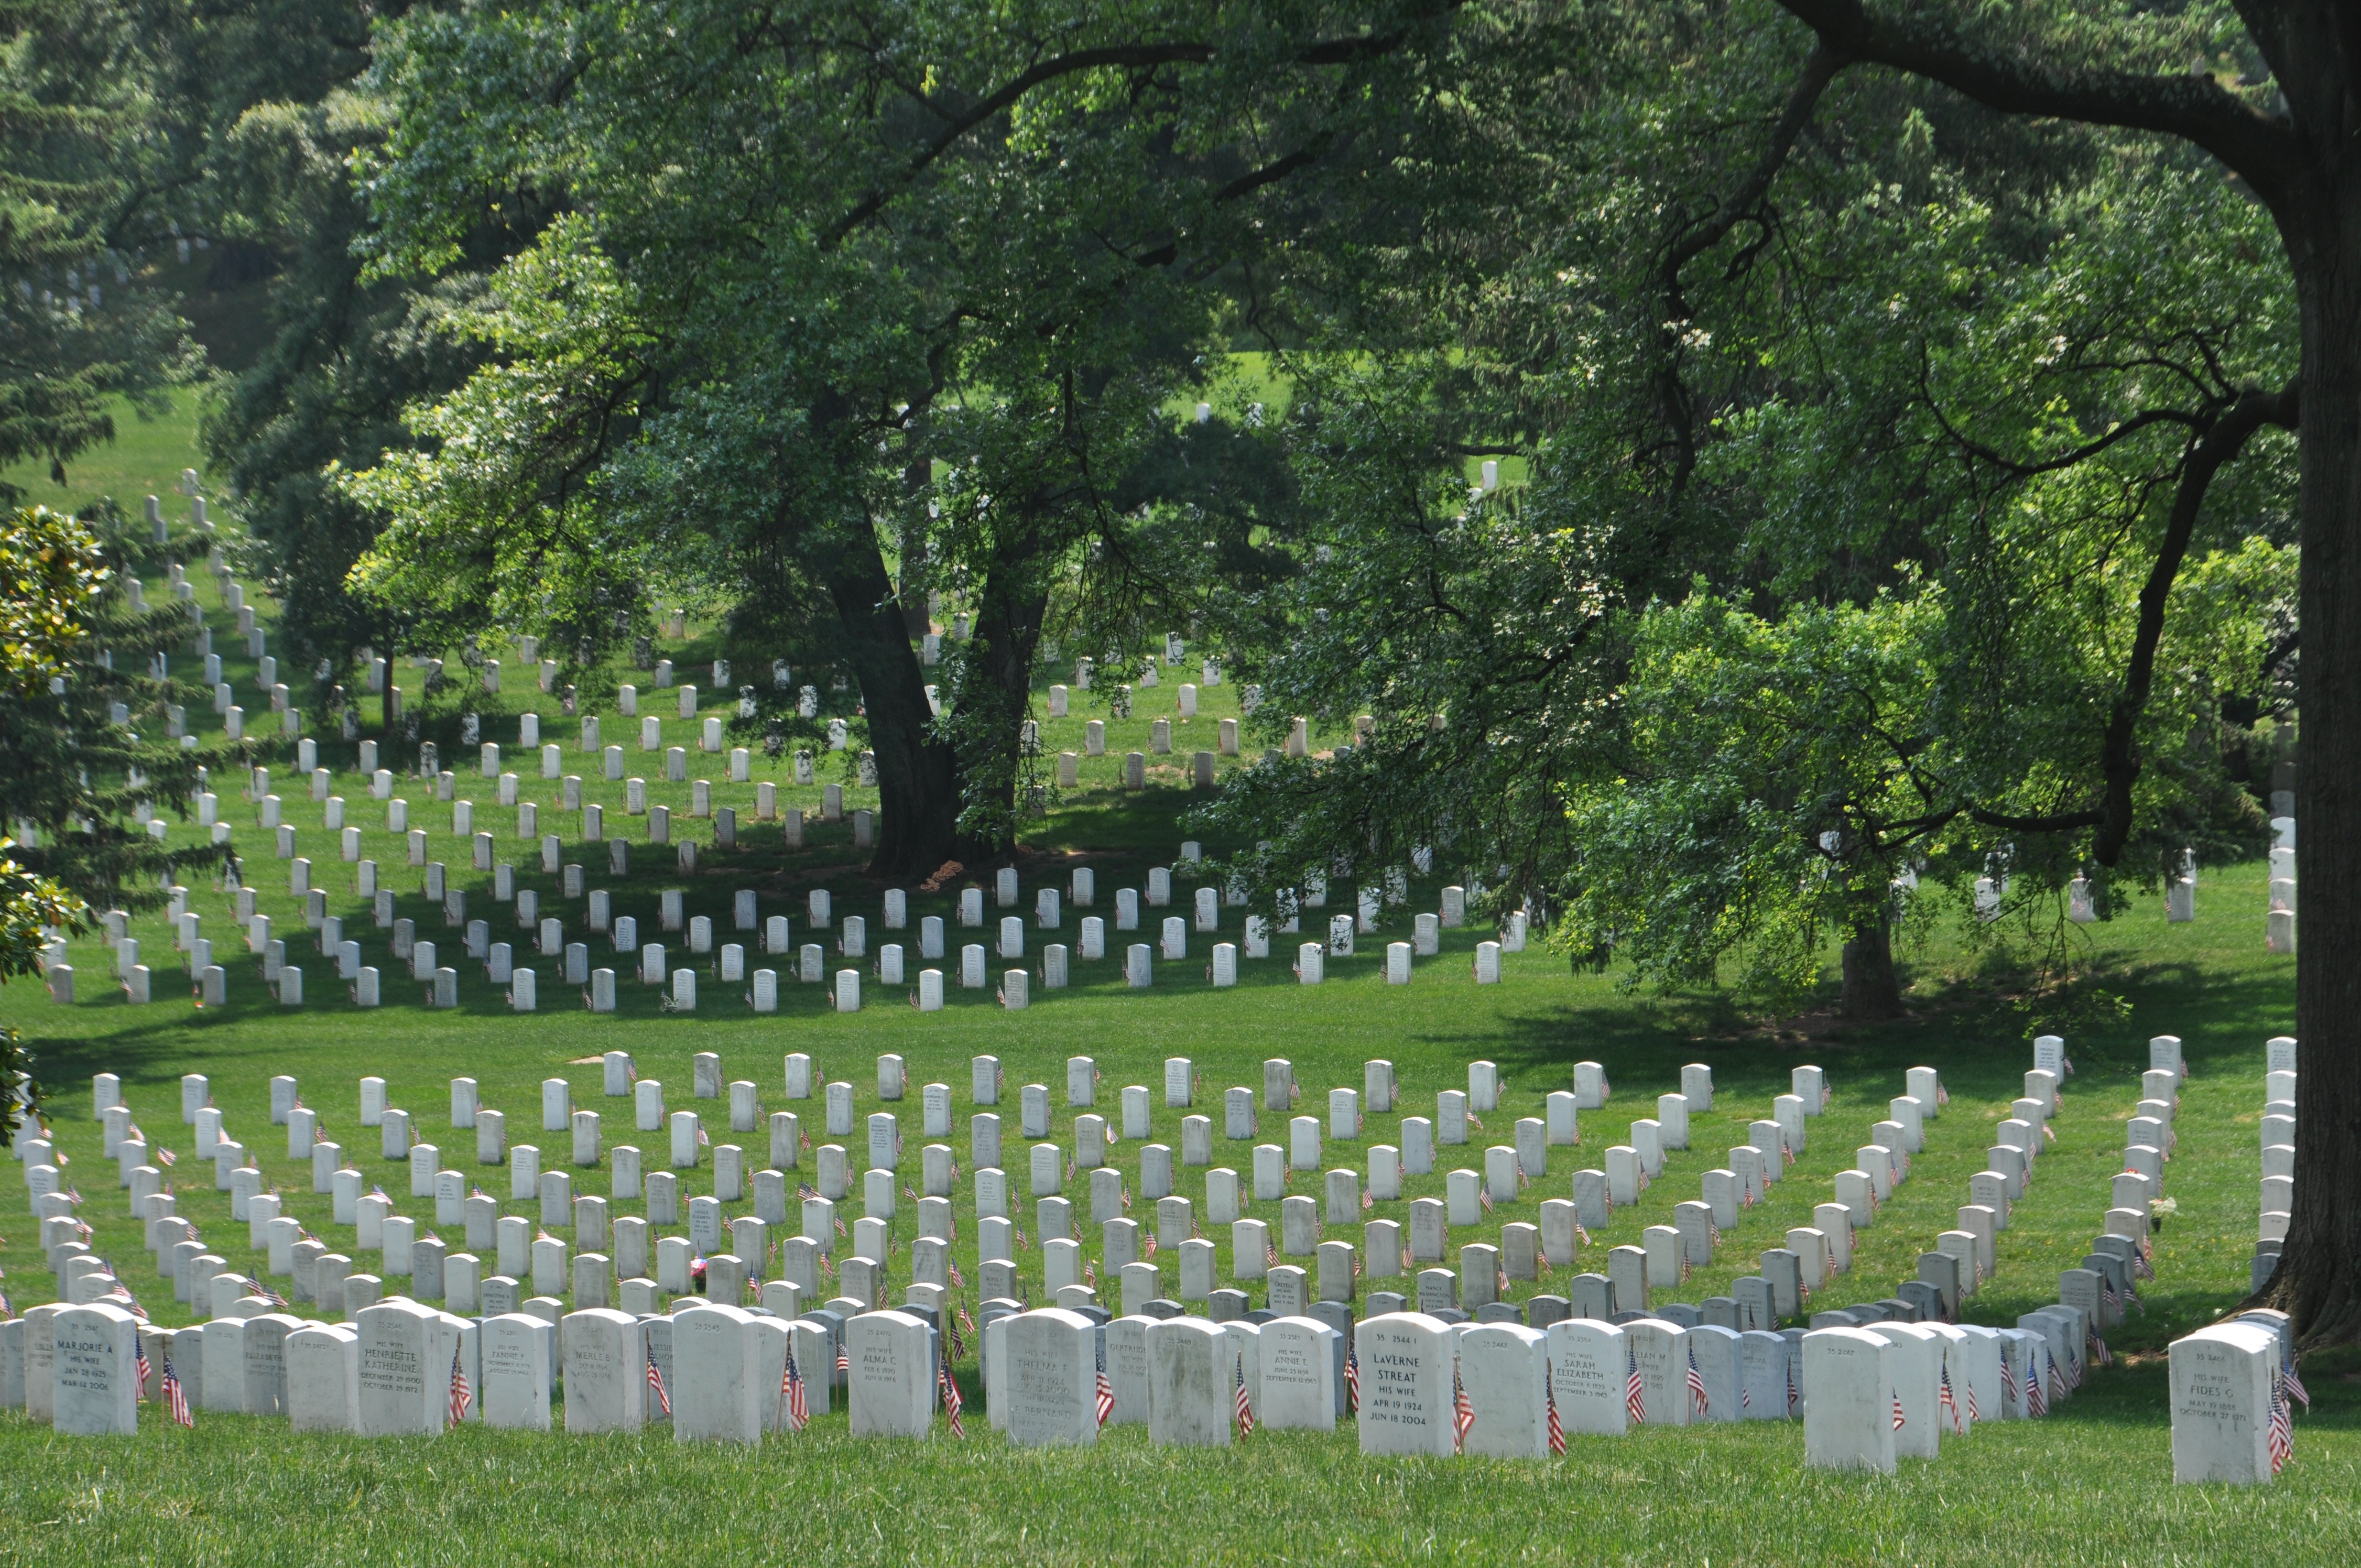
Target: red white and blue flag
<point>952,1403</point>
<point>1353,1377</point>
<point>1698,1404</point>
<point>656,1385</point>
<point>1635,1398</point>
<point>176,1396</point>
<point>1463,1409</point>
<point>1105,1394</point>
<point>461,1396</point>
<point>792,1386</point>
<point>1556,1429</point>
<point>2294,1383</point>
<point>2283,1430</point>
<point>1245,1410</point>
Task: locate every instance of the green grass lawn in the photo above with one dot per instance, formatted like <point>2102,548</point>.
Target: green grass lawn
<point>2092,1480</point>
<point>144,459</point>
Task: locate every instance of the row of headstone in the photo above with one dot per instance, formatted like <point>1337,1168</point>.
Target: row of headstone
<point>1893,1389</point>
<point>2279,1138</point>
<point>2279,921</point>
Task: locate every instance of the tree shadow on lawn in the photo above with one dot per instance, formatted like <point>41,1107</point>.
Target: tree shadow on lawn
<point>155,1042</point>
<point>1972,1030</point>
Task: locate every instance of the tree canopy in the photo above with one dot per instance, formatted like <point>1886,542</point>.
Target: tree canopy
<point>1919,438</point>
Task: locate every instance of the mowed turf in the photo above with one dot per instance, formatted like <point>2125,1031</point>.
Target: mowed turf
<point>2092,1481</point>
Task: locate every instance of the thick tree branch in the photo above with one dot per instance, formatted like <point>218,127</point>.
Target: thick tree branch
<point>2213,449</point>
<point>1039,74</point>
<point>1928,42</point>
<point>1327,51</point>
<point>1675,404</point>
<point>1819,69</point>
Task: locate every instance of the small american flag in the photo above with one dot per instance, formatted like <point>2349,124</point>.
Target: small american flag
<point>1269,1253</point>
<point>461,1396</point>
<point>2294,1383</point>
<point>144,1370</point>
<point>2037,1402</point>
<point>265,1291</point>
<point>952,1403</point>
<point>1950,1400</point>
<point>1353,1377</point>
<point>1635,1395</point>
<point>843,1366</point>
<point>2283,1430</point>
<point>166,1158</point>
<point>656,1385</point>
<point>1795,1395</point>
<point>176,1397</point>
<point>1484,1196</point>
<point>1105,1388</point>
<point>1246,1413</point>
<point>792,1386</point>
<point>1556,1429</point>
<point>957,1283</point>
<point>1698,1403</point>
<point>1975,1413</point>
<point>1149,1251</point>
<point>1368,1201</point>
<point>1898,1409</point>
<point>1463,1409</point>
<point>1091,1273</point>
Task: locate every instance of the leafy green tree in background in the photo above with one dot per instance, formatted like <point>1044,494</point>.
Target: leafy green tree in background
<point>84,740</point>
<point>71,771</point>
<point>95,157</point>
<point>809,261</point>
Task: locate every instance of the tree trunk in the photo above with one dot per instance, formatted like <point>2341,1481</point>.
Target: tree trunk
<point>917,776</point>
<point>1000,677</point>
<point>1871,988</point>
<point>2319,1276</point>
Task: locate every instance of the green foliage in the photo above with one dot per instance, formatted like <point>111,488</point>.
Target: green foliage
<point>69,767</point>
<point>90,144</point>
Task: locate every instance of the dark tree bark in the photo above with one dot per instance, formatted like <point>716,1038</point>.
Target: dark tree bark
<point>1000,675</point>
<point>2304,164</point>
<point>1872,987</point>
<point>917,776</point>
